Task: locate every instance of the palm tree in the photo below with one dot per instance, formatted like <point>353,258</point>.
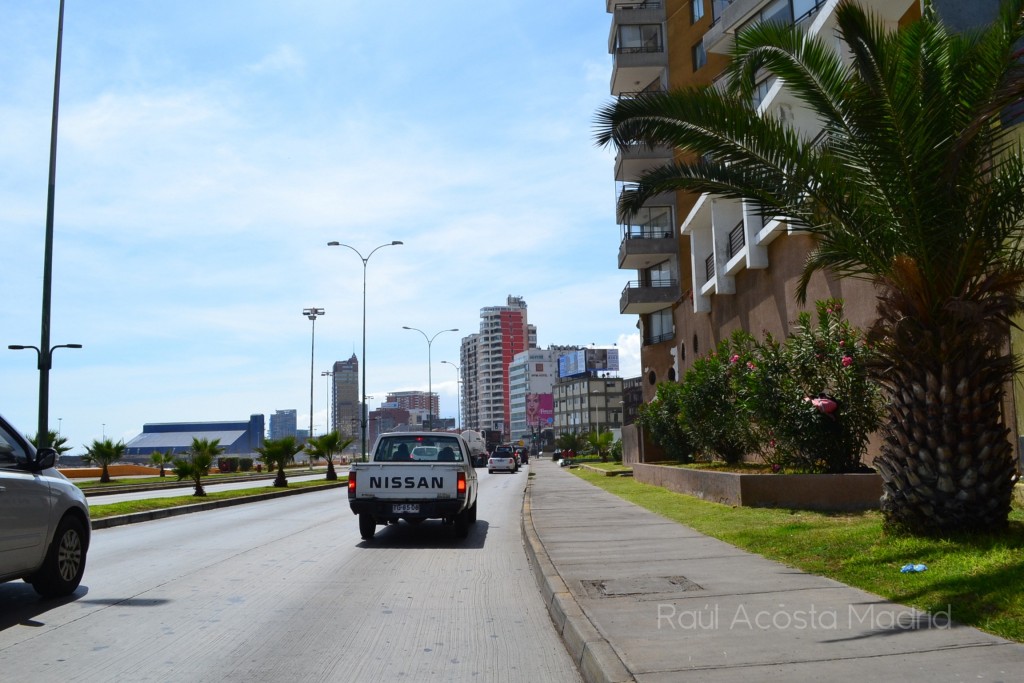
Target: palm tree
<point>914,182</point>
<point>278,453</point>
<point>325,446</point>
<point>57,443</point>
<point>103,453</point>
<point>197,462</point>
<point>601,443</point>
<point>161,459</point>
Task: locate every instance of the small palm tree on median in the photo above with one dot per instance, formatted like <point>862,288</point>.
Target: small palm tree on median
<point>103,453</point>
<point>161,460</point>
<point>197,462</point>
<point>278,453</point>
<point>326,446</point>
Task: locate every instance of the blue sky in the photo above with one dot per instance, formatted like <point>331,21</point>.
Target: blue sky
<point>209,151</point>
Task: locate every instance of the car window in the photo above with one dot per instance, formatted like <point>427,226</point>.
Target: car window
<point>11,450</point>
<point>440,448</point>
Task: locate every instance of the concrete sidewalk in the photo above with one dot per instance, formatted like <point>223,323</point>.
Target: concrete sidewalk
<point>637,597</point>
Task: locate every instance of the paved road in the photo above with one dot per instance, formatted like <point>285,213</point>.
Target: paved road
<point>286,590</point>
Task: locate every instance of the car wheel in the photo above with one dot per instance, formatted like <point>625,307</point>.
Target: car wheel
<point>367,526</point>
<point>490,471</point>
<point>462,524</point>
<point>472,513</point>
<point>64,564</point>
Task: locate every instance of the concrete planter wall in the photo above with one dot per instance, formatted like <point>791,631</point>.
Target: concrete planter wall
<point>840,492</point>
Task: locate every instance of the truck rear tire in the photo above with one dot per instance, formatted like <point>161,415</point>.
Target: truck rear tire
<point>367,526</point>
<point>472,513</point>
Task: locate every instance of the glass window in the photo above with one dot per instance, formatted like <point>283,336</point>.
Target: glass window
<point>640,38</point>
<point>696,11</point>
<point>11,451</point>
<point>778,11</point>
<point>700,58</point>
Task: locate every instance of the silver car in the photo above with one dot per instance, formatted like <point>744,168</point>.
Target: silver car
<point>44,518</point>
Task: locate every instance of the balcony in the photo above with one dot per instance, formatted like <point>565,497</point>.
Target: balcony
<point>645,246</point>
<point>637,44</point>
<point>633,161</point>
<point>639,297</point>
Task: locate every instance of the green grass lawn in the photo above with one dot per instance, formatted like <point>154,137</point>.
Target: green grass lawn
<point>127,507</point>
<point>978,578</point>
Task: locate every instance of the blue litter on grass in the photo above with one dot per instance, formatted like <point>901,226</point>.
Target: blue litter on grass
<point>912,568</point>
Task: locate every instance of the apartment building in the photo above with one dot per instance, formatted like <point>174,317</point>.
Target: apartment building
<point>703,266</point>
<point>484,358</point>
<point>345,404</point>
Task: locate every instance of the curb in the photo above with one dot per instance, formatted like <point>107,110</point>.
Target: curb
<point>594,656</point>
<point>135,517</point>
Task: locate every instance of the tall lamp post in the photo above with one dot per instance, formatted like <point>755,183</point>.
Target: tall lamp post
<point>364,259</point>
<point>430,387</point>
<point>330,395</point>
<point>44,350</point>
<point>458,393</point>
<point>311,313</point>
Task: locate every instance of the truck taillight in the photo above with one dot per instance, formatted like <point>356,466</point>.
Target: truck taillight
<point>461,486</point>
<point>351,484</point>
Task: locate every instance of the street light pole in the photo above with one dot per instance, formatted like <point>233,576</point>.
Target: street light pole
<point>430,389</point>
<point>311,313</point>
<point>362,409</point>
<point>458,393</point>
<point>330,400</point>
<point>43,350</point>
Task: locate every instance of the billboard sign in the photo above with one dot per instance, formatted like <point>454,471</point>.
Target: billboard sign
<point>540,410</point>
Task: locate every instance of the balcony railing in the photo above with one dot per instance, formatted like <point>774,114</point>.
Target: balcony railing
<point>640,5</point>
<point>646,232</point>
<point>709,267</point>
<point>639,49</point>
<point>737,239</point>
<point>658,338</point>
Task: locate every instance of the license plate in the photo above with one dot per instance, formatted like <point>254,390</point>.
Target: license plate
<point>405,507</point>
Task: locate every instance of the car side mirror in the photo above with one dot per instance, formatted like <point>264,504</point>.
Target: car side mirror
<point>45,459</point>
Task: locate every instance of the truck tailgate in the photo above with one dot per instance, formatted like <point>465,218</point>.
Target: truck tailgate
<point>413,481</point>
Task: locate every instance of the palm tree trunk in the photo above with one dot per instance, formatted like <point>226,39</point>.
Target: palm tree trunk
<point>280,480</point>
<point>946,462</point>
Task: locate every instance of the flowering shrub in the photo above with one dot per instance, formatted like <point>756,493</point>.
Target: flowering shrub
<point>814,404</point>
<point>662,420</point>
<point>805,404</point>
<point>715,413</point>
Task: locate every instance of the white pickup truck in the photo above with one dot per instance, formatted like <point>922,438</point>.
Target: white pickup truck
<point>414,476</point>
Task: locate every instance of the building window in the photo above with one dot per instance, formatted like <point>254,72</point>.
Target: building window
<point>700,57</point>
<point>671,374</point>
<point>696,349</point>
<point>639,38</point>
<point>652,379</point>
<point>696,11</point>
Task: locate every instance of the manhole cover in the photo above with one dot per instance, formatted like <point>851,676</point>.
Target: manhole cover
<point>641,585</point>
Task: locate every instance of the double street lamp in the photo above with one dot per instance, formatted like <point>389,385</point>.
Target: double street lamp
<point>44,360</point>
<point>430,387</point>
<point>364,259</point>
<point>312,313</point>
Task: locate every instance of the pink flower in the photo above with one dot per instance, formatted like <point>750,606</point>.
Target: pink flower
<point>842,343</point>
<point>847,361</point>
<point>750,365</point>
<point>735,357</point>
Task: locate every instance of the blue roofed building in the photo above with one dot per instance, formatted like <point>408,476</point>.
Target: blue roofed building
<point>236,438</point>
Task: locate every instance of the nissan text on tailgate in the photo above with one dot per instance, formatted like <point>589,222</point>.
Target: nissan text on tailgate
<point>414,476</point>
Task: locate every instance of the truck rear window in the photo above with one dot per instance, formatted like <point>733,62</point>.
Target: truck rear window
<point>440,448</point>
